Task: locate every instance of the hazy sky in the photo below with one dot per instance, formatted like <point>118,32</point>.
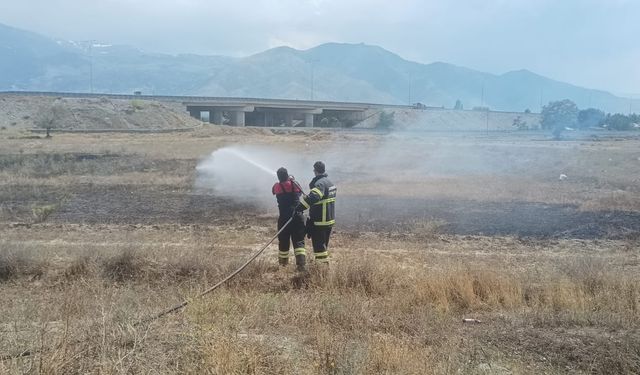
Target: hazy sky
<point>591,43</point>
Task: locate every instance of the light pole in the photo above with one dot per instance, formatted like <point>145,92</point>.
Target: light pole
<point>632,98</point>
<point>312,78</point>
<point>487,120</point>
<point>486,109</point>
<point>91,42</point>
<point>91,66</point>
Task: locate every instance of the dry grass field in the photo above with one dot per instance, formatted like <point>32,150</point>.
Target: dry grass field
<point>100,231</point>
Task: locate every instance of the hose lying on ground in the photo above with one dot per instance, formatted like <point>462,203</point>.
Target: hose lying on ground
<point>231,275</point>
<point>27,352</point>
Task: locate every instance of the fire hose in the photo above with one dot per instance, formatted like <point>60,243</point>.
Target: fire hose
<point>27,352</point>
<point>220,283</point>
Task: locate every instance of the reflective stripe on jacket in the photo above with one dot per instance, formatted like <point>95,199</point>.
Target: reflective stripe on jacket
<point>321,201</point>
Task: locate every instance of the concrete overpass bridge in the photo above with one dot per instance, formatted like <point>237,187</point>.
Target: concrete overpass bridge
<point>280,112</point>
<point>252,111</point>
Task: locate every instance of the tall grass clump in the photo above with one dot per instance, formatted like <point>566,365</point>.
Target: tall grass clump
<point>17,264</point>
<point>125,266</point>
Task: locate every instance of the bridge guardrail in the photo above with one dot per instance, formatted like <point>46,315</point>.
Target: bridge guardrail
<point>183,98</point>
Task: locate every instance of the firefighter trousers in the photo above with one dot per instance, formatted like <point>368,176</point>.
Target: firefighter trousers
<point>320,241</point>
<point>292,234</point>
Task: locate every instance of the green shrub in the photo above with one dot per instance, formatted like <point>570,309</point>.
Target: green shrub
<point>41,213</point>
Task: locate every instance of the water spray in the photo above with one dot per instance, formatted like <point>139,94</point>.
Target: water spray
<point>246,172</point>
<point>248,160</point>
<point>224,152</point>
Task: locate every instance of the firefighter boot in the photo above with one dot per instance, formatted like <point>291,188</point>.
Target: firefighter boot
<point>301,260</point>
<point>283,258</point>
<point>301,265</point>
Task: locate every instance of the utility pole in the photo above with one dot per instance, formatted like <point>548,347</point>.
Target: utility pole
<point>632,97</point>
<point>487,125</point>
<point>91,66</point>
<point>90,46</point>
<point>482,95</point>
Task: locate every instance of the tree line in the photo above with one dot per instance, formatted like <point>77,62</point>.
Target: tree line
<point>561,115</point>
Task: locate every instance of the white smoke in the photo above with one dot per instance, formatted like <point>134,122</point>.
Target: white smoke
<point>247,173</point>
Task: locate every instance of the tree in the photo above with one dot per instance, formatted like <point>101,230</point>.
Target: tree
<point>458,105</point>
<point>50,118</point>
<point>590,117</point>
<point>558,115</point>
<point>386,120</point>
<point>618,122</point>
<point>527,111</point>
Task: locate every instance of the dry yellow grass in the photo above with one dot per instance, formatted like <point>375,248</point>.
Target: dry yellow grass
<point>365,314</point>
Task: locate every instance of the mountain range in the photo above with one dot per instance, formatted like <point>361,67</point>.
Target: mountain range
<point>332,71</point>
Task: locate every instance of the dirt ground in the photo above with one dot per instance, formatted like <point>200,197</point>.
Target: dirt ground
<point>98,231</point>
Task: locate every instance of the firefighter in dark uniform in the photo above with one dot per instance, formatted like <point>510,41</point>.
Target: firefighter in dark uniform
<point>287,193</point>
<point>321,204</point>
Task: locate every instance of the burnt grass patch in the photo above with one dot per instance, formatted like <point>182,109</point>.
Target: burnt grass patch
<point>468,217</point>
<point>161,204</point>
<point>43,165</point>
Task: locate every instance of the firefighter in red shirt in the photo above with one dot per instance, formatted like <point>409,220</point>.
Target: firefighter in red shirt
<point>287,194</point>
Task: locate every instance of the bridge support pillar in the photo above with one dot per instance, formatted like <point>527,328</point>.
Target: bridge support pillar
<point>238,118</point>
<point>308,120</point>
<point>195,114</point>
<point>215,117</point>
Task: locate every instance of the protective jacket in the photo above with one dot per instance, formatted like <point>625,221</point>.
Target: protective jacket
<point>321,201</point>
<point>288,196</point>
